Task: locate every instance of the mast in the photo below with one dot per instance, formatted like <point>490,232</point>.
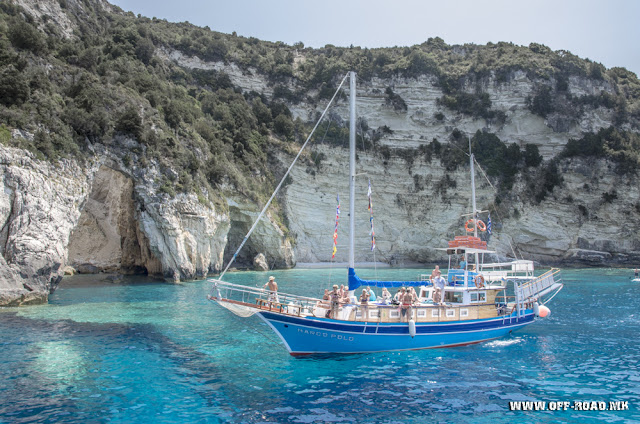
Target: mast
<point>473,201</point>
<point>352,168</point>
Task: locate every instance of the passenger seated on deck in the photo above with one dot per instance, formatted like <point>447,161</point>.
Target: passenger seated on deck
<point>341,291</point>
<point>414,295</point>
<point>386,296</point>
<point>326,300</point>
<point>397,298</point>
<point>372,295</point>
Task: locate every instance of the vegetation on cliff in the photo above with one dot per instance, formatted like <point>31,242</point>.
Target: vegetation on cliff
<point>106,84</point>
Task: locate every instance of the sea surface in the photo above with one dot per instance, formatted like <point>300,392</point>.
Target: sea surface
<point>142,351</point>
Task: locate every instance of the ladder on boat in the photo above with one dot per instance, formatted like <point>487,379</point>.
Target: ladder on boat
<point>529,291</point>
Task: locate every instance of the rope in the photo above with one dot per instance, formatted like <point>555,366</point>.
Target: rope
<point>515,255</point>
<point>554,295</point>
<point>254,328</point>
<point>282,180</point>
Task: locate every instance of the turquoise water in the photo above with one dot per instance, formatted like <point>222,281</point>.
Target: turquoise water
<point>154,352</point>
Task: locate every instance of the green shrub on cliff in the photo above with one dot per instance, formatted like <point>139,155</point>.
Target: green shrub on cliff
<point>621,147</point>
<point>111,79</point>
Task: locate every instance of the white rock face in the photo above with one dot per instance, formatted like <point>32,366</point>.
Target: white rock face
<point>416,211</point>
<point>187,237</point>
<point>417,208</point>
<point>248,81</point>
<point>107,218</point>
<point>410,219</point>
<point>267,238</point>
<point>39,206</point>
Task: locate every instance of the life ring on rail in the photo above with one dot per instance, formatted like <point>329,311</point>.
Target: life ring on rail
<point>481,225</point>
<point>479,281</point>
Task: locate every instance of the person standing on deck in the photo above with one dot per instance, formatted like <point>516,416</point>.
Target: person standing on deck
<point>335,302</point>
<point>364,302</point>
<point>438,284</point>
<point>435,273</point>
<point>407,301</point>
<point>463,263</point>
<point>273,289</point>
<point>372,295</point>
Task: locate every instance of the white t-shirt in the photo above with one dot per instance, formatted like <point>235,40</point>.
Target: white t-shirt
<point>439,282</point>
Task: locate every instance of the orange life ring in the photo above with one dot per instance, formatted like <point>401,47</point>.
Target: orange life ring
<point>479,281</point>
<point>481,225</point>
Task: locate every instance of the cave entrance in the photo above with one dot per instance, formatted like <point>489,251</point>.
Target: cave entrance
<point>240,223</point>
<point>107,237</point>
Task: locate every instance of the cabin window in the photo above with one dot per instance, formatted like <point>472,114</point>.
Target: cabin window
<point>450,313</point>
<point>422,313</point>
<point>424,293</point>
<point>358,313</point>
<point>393,313</point>
<point>435,312</point>
<point>374,314</point>
<point>464,313</point>
<point>453,297</point>
<point>478,297</point>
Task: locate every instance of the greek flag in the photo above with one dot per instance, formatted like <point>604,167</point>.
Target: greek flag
<point>489,225</point>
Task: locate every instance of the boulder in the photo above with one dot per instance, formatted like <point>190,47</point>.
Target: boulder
<point>260,263</point>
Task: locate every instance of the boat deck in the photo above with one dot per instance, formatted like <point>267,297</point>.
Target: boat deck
<point>258,300</point>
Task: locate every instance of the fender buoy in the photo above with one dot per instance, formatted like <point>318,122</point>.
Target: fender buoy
<point>481,225</point>
<point>412,328</point>
<point>536,309</point>
<point>543,311</point>
<point>479,281</point>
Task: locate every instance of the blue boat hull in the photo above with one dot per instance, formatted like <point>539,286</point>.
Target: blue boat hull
<point>308,335</point>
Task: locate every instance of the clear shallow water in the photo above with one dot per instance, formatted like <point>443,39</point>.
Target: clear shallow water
<point>155,352</point>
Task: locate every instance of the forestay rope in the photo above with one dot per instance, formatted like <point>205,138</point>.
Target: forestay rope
<point>496,209</point>
<point>283,178</point>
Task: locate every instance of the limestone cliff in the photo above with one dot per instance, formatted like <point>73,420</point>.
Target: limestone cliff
<point>102,216</point>
<point>40,204</point>
<point>172,136</point>
<point>419,205</point>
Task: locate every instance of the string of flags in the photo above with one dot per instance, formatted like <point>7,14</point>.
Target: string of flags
<point>372,233</point>
<point>335,231</point>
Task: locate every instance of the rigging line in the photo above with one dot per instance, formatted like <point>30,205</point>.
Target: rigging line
<point>255,329</point>
<point>458,147</point>
<point>515,255</point>
<point>283,178</point>
<point>484,174</point>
